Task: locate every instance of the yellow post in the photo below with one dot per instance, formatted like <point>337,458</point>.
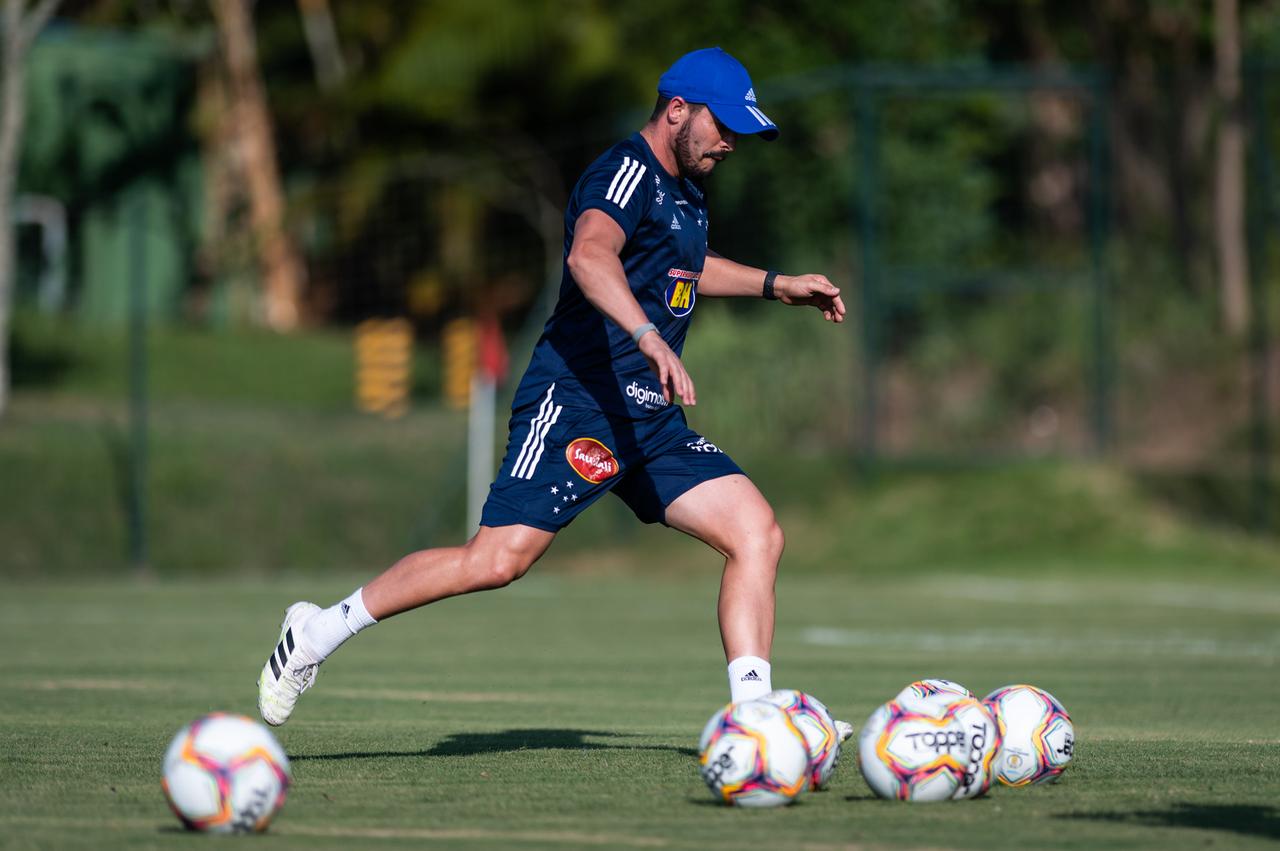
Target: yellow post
<point>458,342</point>
<point>384,354</point>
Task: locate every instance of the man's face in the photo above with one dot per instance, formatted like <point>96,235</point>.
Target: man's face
<point>701,142</point>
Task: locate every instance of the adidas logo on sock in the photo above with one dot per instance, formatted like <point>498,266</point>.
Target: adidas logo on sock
<point>750,676</point>
<point>345,609</point>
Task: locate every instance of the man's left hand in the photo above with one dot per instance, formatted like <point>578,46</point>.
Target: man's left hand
<point>811,289</point>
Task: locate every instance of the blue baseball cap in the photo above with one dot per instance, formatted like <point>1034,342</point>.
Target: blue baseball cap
<point>715,78</point>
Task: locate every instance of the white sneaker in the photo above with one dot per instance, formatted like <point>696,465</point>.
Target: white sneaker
<point>845,729</point>
<point>289,671</point>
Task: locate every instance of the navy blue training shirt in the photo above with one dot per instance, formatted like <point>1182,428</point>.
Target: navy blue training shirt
<point>593,363</point>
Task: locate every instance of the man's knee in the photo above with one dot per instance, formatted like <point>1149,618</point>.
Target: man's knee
<point>759,538</point>
<point>496,564</point>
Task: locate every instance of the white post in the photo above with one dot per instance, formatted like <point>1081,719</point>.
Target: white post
<point>479,446</point>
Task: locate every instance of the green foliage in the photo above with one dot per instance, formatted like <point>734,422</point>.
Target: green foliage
<point>766,373</point>
<point>258,462</point>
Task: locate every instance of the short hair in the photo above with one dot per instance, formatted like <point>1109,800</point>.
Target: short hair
<point>660,107</point>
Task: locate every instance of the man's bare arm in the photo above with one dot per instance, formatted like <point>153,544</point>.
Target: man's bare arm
<point>596,268</point>
<point>724,277</point>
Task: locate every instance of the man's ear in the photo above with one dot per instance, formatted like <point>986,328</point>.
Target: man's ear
<point>677,110</point>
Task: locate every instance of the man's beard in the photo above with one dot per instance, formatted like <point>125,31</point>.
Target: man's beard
<point>691,165</point>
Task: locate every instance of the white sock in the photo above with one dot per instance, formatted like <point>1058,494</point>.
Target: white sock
<point>749,678</point>
<point>329,628</point>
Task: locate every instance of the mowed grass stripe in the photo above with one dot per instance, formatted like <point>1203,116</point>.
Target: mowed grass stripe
<point>1011,641</point>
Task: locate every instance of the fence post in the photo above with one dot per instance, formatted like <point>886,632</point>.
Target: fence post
<point>868,135</point>
<point>1261,220</point>
<point>1098,214</point>
<point>138,427</point>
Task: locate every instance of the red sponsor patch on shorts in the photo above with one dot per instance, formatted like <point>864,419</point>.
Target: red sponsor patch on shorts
<point>592,460</point>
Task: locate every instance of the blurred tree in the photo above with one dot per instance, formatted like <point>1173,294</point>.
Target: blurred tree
<point>1229,194</point>
<point>21,26</point>
<point>251,133</point>
<point>322,40</point>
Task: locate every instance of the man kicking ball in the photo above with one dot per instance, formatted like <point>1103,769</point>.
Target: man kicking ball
<point>595,411</point>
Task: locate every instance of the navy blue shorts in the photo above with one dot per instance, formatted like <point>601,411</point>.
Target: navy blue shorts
<point>560,460</point>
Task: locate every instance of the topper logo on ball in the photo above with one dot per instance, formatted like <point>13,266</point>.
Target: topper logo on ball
<point>937,742</point>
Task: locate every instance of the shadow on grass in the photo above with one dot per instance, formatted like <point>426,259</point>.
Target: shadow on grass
<point>471,744</point>
<point>1247,819</point>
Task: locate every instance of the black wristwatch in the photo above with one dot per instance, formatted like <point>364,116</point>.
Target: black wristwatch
<point>768,285</point>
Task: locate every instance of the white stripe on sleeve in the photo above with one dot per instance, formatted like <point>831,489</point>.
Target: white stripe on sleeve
<point>626,163</point>
<point>632,188</point>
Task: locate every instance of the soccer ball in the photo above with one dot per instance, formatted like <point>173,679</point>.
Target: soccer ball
<point>983,734</point>
<point>752,755</point>
<point>814,722</point>
<point>913,751</point>
<point>225,774</point>
<point>1037,735</point>
<point>933,688</point>
<point>981,731</point>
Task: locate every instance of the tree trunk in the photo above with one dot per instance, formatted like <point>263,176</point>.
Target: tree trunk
<point>322,41</point>
<point>282,270</point>
<point>1229,191</point>
<point>19,31</point>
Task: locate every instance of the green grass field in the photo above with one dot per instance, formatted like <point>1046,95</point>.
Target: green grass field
<point>564,711</point>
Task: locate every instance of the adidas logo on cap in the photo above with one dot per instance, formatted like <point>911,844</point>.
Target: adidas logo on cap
<point>751,94</point>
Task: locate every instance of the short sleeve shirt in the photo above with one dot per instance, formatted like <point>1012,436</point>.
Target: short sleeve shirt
<point>593,363</point>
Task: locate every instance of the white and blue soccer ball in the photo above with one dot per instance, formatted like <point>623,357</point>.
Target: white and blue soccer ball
<point>225,773</point>
<point>752,755</point>
<point>814,721</point>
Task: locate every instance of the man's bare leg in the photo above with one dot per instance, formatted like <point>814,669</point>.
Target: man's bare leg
<point>496,556</point>
<point>733,517</point>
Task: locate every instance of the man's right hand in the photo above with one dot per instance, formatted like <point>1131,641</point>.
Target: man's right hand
<point>666,365</point>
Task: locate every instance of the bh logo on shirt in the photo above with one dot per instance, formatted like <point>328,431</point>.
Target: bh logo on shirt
<point>682,292</point>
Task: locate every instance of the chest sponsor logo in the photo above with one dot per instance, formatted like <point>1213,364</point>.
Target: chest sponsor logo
<point>680,295</point>
<point>592,460</point>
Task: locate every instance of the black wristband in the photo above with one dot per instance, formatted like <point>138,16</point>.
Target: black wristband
<point>768,285</point>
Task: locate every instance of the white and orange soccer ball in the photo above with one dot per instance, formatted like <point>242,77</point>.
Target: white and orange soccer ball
<point>1037,736</point>
<point>913,751</point>
<point>982,734</point>
<point>752,755</point>
<point>814,721</point>
<point>983,738</point>
<point>225,773</point>
<point>933,688</point>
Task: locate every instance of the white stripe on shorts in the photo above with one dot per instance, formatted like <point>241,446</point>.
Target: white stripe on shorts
<point>544,410</point>
<point>542,442</point>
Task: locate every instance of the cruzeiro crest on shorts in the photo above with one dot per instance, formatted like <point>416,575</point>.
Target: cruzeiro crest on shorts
<point>682,291</point>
